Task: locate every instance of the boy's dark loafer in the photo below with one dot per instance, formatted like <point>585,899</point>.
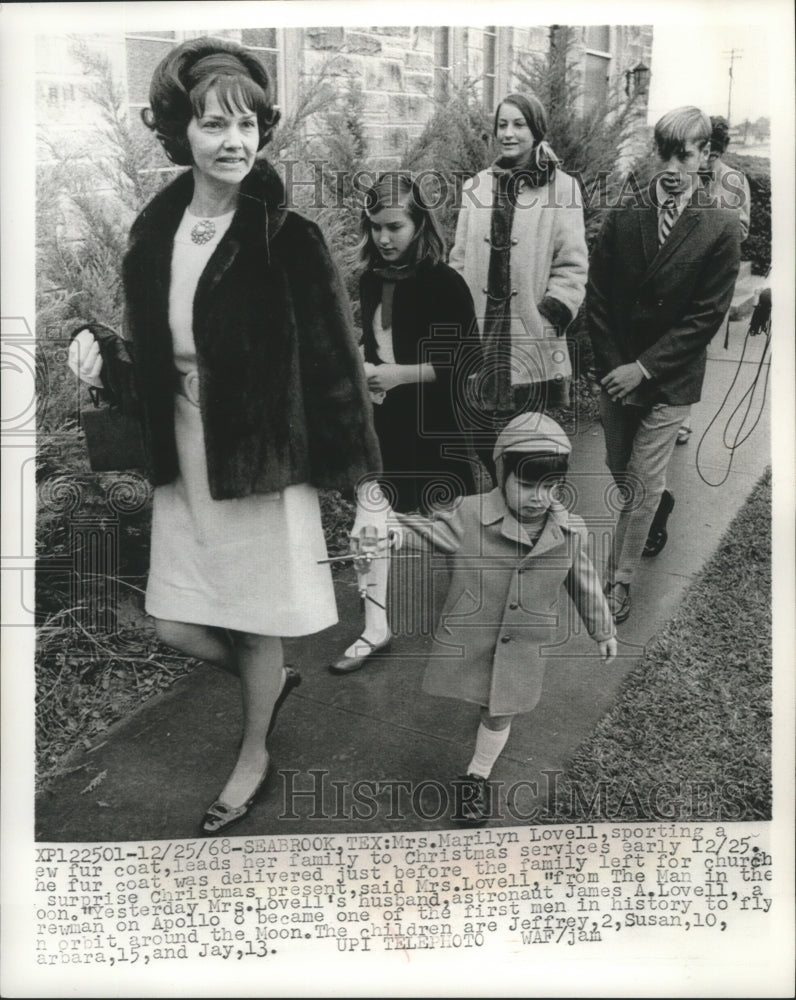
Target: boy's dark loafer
<point>618,597</point>
<point>658,535</point>
<point>471,802</point>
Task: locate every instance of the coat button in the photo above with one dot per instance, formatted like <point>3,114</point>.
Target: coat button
<point>514,241</point>
<point>513,606</point>
<point>505,638</point>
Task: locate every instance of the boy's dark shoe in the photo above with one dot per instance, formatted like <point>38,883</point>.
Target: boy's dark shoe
<point>618,597</point>
<point>471,800</point>
<point>658,535</point>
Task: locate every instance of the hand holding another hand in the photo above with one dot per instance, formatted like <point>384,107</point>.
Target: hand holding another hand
<point>607,649</point>
<point>382,378</point>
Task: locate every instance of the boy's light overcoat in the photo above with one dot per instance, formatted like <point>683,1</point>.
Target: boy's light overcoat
<point>503,604</point>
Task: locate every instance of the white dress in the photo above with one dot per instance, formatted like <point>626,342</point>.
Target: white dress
<point>248,564</point>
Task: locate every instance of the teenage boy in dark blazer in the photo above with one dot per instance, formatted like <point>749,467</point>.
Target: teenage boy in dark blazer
<point>660,282</point>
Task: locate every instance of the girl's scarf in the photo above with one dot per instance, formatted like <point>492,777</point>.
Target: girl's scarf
<point>390,274</point>
<point>509,179</point>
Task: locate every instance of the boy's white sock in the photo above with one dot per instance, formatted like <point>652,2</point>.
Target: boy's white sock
<point>488,744</point>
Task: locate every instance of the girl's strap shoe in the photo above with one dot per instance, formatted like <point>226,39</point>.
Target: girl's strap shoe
<point>348,664</point>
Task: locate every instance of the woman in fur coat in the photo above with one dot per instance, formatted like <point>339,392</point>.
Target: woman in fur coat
<point>521,248</point>
<point>251,393</point>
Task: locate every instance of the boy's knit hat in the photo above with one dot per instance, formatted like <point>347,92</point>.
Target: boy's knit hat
<point>532,434</point>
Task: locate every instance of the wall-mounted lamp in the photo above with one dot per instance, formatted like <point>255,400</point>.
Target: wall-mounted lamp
<point>637,80</point>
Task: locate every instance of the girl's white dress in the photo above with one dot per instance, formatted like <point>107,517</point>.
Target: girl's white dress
<point>248,564</point>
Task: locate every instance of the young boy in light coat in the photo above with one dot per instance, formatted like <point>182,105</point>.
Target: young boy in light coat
<point>511,551</point>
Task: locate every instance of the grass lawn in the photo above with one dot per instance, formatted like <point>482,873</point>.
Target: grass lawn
<point>689,737</point>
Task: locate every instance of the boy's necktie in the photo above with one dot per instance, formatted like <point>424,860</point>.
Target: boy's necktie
<point>667,219</point>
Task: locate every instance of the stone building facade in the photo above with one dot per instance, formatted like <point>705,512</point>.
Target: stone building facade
<point>402,70</point>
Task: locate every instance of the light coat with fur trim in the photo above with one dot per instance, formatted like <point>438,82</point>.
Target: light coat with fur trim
<point>549,265</point>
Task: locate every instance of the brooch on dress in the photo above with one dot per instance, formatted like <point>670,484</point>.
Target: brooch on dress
<point>203,231</point>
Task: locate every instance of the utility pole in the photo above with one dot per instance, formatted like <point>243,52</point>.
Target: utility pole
<point>733,54</point>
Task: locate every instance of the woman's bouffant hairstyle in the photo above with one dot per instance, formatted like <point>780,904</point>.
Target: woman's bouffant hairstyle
<point>390,191</point>
<point>184,77</point>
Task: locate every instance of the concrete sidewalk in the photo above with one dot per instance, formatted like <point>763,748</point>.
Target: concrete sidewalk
<point>166,763</point>
<point>747,289</point>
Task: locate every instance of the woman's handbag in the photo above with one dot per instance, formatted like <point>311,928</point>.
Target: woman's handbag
<point>113,439</point>
<point>112,429</point>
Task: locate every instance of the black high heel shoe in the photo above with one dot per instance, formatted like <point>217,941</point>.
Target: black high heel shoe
<point>292,680</point>
<point>221,816</point>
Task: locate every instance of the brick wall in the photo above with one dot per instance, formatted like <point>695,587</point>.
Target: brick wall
<point>395,67</point>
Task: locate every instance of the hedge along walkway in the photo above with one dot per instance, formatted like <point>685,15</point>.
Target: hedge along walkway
<point>697,709</point>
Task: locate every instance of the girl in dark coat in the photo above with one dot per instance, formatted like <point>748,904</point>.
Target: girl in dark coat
<point>420,343</point>
<point>250,389</point>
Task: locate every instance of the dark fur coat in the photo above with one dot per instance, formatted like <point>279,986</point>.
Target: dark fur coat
<point>283,395</point>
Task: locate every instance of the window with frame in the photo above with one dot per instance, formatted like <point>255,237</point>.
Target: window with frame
<point>264,44</point>
<point>490,67</point>
<point>598,37</point>
<point>443,59</point>
<point>597,66</point>
<point>145,50</point>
